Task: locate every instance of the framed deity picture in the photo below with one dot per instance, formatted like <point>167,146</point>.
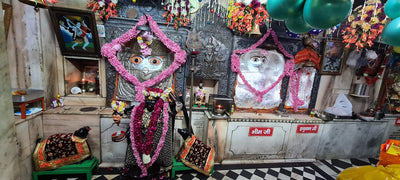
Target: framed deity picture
<point>332,60</point>
<point>76,31</point>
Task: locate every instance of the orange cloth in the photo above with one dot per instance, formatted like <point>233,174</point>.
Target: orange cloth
<point>307,54</point>
<point>386,158</point>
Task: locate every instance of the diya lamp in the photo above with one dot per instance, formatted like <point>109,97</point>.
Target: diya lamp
<point>219,109</point>
<point>83,85</point>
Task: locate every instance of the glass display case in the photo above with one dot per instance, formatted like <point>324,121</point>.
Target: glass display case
<point>220,104</point>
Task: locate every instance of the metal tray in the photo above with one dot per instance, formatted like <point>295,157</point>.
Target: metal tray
<point>329,117</point>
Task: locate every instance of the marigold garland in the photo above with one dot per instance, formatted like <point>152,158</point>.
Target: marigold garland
<point>177,13</point>
<point>364,25</point>
<point>243,18</point>
<point>104,8</point>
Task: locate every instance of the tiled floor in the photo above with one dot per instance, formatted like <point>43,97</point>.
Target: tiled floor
<point>319,170</point>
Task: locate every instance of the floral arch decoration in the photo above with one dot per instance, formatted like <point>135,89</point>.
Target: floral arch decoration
<point>110,50</point>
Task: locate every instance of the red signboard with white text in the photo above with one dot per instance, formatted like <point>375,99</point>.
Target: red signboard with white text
<point>261,131</point>
<point>307,128</point>
<point>397,123</point>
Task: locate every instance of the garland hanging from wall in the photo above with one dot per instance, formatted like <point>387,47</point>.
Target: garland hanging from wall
<point>104,8</point>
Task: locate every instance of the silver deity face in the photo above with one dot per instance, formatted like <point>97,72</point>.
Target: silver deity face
<point>143,68</point>
<point>147,67</point>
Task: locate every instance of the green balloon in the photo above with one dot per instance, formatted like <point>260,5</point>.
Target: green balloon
<point>391,33</point>
<point>297,25</point>
<point>283,9</point>
<point>324,14</point>
<point>392,8</point>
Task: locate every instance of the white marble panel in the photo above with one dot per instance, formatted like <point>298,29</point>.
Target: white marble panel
<point>112,151</point>
<point>392,128</point>
<point>35,131</point>
<point>303,145</point>
<point>199,121</point>
<point>25,168</point>
<point>177,138</point>
<point>216,137</point>
<point>376,137</point>
<point>240,145</point>
<point>340,140</point>
<point>23,141</point>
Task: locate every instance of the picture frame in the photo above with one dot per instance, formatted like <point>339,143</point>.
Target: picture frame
<point>333,59</point>
<point>76,32</point>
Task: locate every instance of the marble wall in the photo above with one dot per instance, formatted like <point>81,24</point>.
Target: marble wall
<point>303,145</point>
<point>8,148</point>
<point>351,139</point>
<point>28,133</point>
<point>113,152</point>
<point>333,140</point>
<point>216,135</point>
<point>257,147</point>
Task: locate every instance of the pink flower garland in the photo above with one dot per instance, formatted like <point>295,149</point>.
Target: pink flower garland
<point>110,50</point>
<point>294,90</point>
<point>144,45</point>
<point>146,147</point>
<point>235,66</point>
<point>136,153</point>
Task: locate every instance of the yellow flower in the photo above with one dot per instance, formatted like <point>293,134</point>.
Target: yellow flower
<point>360,22</point>
<point>370,7</point>
<point>353,24</point>
<point>364,16</point>
<point>139,38</point>
<point>374,20</point>
<point>366,26</point>
<point>378,11</point>
<point>351,18</point>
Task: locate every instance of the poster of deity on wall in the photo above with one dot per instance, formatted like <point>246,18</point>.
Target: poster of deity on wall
<point>333,58</point>
<point>76,32</point>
